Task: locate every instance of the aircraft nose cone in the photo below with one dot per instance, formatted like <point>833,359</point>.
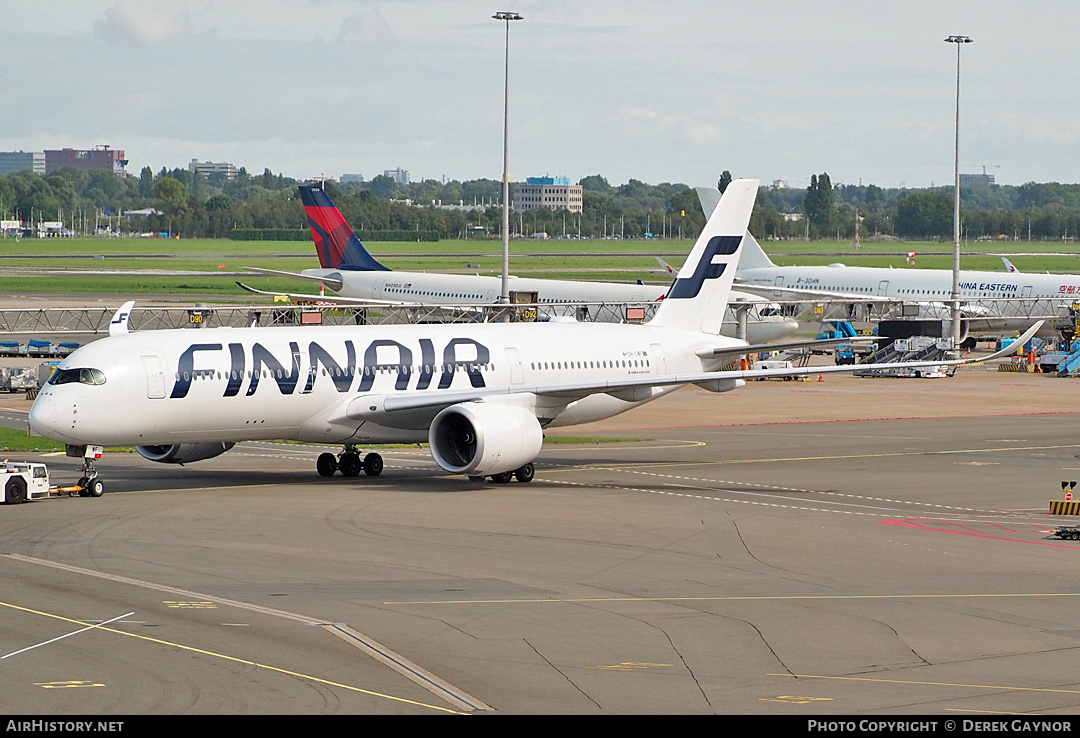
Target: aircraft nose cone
<point>50,419</point>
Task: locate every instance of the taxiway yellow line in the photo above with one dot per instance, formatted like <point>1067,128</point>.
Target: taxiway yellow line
<point>931,684</point>
<point>398,663</point>
<point>838,457</point>
<point>736,598</point>
<point>234,659</point>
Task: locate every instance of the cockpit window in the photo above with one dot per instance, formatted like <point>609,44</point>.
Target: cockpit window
<point>82,376</point>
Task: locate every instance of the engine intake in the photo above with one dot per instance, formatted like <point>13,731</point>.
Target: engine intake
<point>481,438</point>
<point>182,453</point>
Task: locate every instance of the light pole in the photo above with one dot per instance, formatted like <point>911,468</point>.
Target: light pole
<point>959,41</point>
<point>504,297</point>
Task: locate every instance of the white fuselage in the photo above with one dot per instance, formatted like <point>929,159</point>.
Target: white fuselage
<point>993,298</point>
<point>328,384</point>
<point>764,323</point>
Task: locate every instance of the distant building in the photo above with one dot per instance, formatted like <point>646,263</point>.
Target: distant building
<point>347,178</point>
<point>399,175</point>
<point>206,168</point>
<point>966,180</point>
<point>554,193</point>
<point>779,184</point>
<point>22,161</point>
<point>99,157</point>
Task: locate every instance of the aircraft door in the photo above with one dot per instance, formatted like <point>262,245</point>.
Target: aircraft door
<point>1027,291</point>
<point>779,284</point>
<point>155,377</point>
<point>377,293</point>
<point>656,359</point>
<point>883,288</point>
<point>513,356</point>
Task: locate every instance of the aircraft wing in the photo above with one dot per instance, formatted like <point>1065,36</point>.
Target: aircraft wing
<point>773,292</point>
<point>330,282</point>
<point>559,394</point>
<point>329,299</point>
<point>667,267</point>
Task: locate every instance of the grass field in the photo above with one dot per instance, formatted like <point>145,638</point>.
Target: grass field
<point>206,263</point>
<point>14,440</point>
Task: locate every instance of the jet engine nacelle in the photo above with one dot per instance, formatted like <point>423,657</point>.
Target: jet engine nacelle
<point>482,438</point>
<point>182,453</point>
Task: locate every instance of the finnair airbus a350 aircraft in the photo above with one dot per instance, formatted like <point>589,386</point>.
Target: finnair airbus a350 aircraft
<point>350,270</point>
<point>479,394</point>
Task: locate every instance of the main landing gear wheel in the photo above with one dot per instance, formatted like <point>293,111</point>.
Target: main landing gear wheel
<point>326,465</point>
<point>350,464</point>
<point>526,473</point>
<point>373,465</point>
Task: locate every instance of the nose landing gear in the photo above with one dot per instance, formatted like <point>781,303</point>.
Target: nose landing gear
<point>90,483</point>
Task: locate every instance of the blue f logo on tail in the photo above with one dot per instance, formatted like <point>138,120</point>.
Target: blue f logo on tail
<point>688,287</point>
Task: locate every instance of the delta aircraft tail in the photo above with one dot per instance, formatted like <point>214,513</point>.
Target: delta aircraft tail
<point>337,245</point>
<point>699,295</point>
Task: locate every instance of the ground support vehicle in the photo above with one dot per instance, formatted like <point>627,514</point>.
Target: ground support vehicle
<point>1067,532</point>
<point>22,481</point>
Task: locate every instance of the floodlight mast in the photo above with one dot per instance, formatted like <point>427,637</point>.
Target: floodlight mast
<point>504,296</point>
<point>955,333</point>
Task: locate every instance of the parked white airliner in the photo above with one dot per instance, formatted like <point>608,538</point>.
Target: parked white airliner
<point>993,301</point>
<point>350,270</point>
<point>479,394</point>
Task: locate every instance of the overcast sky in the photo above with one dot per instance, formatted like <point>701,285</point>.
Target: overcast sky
<point>673,91</point>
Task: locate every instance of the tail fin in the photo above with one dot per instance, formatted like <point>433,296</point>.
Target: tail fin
<point>709,197</point>
<point>697,299</point>
<point>753,256</point>
<point>337,245</point>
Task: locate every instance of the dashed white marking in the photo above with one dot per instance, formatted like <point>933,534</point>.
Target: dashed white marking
<point>797,489</point>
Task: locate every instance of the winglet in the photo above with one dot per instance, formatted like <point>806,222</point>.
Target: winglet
<point>1010,349</point>
<point>1009,265</point>
<point>119,323</point>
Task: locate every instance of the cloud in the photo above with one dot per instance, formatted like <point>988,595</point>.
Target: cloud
<point>367,25</point>
<point>143,23</point>
<point>645,123</point>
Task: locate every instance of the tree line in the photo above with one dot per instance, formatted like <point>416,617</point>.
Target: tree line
<point>192,205</point>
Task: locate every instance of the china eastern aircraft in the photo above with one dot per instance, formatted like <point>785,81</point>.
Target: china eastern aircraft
<point>992,301</point>
<point>480,394</point>
<point>348,269</point>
